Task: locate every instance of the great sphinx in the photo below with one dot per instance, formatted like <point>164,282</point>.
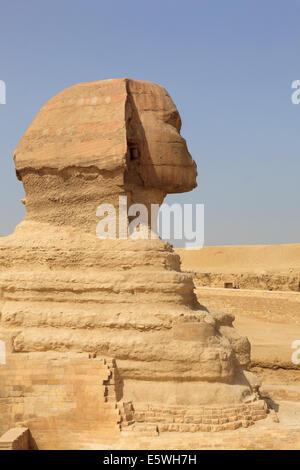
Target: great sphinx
<point>63,290</point>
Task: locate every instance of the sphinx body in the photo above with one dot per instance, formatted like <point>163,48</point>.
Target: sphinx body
<point>64,290</point>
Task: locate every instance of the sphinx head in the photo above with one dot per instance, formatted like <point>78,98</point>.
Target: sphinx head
<point>114,136</point>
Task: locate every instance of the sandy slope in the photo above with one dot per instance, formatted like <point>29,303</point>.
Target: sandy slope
<point>255,258</point>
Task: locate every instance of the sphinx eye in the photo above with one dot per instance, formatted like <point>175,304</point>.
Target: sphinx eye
<point>133,152</point>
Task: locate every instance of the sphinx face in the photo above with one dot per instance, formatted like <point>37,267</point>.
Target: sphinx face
<point>157,151</point>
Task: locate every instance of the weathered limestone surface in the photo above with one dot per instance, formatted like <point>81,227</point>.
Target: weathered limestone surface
<point>63,290</point>
<point>255,281</point>
<point>271,320</point>
<point>266,306</point>
<point>57,391</point>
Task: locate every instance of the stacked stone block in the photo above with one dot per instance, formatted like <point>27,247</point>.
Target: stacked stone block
<point>180,419</point>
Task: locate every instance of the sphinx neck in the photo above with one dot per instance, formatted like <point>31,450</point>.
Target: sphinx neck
<point>78,198</point>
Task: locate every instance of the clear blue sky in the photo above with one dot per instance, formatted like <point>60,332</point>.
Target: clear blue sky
<point>228,66</point>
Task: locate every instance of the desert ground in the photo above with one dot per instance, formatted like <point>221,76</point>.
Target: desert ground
<point>267,311</point>
<point>266,303</point>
